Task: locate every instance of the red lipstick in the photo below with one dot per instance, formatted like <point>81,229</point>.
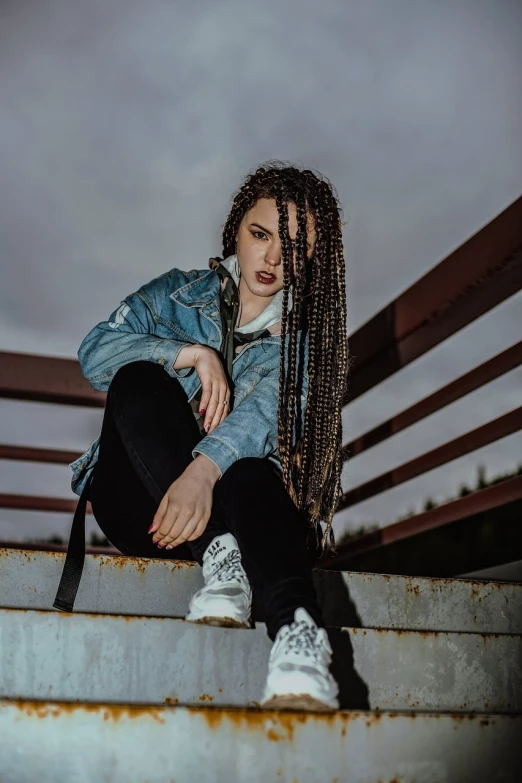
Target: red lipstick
<point>262,278</point>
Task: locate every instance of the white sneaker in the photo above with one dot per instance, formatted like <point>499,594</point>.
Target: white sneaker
<point>226,598</point>
<point>298,673</point>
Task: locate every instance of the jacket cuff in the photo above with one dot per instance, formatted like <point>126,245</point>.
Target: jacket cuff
<point>217,450</point>
<point>166,354</point>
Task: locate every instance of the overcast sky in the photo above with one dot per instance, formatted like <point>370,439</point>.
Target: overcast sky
<point>125,127</point>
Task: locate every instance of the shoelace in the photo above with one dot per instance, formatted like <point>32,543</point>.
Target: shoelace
<point>229,568</point>
<point>302,639</point>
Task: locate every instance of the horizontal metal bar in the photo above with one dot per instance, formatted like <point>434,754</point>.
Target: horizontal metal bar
<point>476,503</point>
<point>34,454</point>
<point>157,587</point>
<point>52,741</point>
<point>40,503</point>
<point>479,376</point>
<point>46,379</point>
<point>476,277</point>
<point>453,449</point>
<point>93,657</point>
<point>474,379</point>
<point>480,274</point>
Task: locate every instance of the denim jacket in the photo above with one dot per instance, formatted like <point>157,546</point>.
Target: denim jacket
<point>181,308</point>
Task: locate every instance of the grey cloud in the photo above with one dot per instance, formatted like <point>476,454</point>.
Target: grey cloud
<point>128,126</point>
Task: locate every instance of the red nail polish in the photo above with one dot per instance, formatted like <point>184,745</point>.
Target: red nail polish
<point>202,411</point>
<point>150,528</point>
<point>207,428</point>
<point>161,546</point>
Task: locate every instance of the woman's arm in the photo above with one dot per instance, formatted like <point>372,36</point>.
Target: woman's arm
<point>128,336</point>
<point>251,428</point>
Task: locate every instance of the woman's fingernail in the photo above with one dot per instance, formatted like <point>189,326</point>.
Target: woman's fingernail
<point>151,527</point>
<point>161,546</point>
<point>169,546</point>
<point>207,428</point>
<point>202,411</point>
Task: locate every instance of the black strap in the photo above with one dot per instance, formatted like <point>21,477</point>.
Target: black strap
<point>73,566</point>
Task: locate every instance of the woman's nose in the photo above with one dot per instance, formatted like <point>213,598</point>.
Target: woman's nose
<point>273,254</point>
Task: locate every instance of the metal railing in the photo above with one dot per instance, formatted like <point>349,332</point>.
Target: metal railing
<point>483,272</point>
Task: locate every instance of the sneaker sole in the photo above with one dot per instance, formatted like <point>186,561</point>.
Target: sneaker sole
<point>220,622</point>
<point>297,701</point>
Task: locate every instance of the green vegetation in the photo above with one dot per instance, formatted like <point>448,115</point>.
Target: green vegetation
<point>429,503</point>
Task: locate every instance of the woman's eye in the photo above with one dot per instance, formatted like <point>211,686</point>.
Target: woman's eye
<point>259,232</point>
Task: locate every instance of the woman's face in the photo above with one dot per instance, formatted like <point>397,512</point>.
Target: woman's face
<point>259,249</point>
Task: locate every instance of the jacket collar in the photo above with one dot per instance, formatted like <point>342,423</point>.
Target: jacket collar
<point>204,290</point>
<point>198,292</point>
<point>271,315</point>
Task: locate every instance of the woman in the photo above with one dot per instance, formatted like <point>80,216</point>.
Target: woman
<point>221,439</point>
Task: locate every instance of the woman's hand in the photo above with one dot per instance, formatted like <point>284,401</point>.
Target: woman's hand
<point>184,512</point>
<point>214,386</point>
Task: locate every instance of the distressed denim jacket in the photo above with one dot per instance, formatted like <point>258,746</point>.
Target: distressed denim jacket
<point>174,310</point>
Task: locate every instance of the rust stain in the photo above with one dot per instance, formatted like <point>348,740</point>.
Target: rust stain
<point>372,719</point>
<point>404,632</point>
<point>472,716</point>
<point>277,726</point>
<point>140,564</point>
<point>274,736</point>
<point>180,565</point>
<point>171,700</point>
<point>487,636</point>
<point>113,712</point>
<point>206,697</point>
<point>412,588</point>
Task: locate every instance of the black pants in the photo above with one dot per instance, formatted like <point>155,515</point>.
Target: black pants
<point>146,443</point>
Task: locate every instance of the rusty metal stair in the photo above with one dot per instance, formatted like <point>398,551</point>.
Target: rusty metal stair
<point>123,689</point>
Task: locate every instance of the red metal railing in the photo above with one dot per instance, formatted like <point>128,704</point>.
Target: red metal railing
<point>485,271</point>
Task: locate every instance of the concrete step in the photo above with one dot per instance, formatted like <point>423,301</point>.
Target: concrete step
<point>504,572</point>
<point>126,585</point>
<point>53,742</point>
<point>147,660</point>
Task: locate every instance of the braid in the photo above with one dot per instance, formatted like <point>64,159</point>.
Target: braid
<point>310,451</point>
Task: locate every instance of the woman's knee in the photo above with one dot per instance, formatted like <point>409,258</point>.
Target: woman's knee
<point>137,382</point>
<point>136,374</point>
<point>246,471</point>
<point>139,387</point>
<point>252,479</point>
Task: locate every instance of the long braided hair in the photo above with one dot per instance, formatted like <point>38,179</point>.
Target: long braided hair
<point>311,460</point>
